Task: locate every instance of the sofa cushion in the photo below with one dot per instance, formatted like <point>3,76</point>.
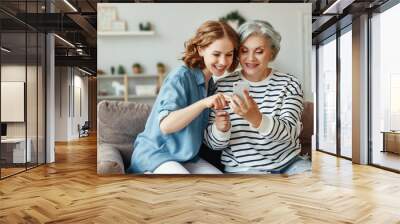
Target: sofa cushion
<point>109,160</point>
<point>119,123</point>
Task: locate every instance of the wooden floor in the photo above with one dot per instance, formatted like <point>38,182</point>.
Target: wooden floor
<point>10,171</point>
<point>70,191</point>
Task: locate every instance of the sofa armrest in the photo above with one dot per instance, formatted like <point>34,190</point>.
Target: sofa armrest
<point>109,160</point>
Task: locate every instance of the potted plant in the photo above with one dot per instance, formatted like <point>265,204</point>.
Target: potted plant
<point>160,68</point>
<point>234,19</point>
<point>121,70</point>
<point>112,70</point>
<point>100,72</point>
<point>136,68</point>
<point>146,26</point>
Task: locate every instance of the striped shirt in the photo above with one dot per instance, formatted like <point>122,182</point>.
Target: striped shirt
<point>276,141</point>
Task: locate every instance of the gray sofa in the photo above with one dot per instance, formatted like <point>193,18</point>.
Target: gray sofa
<point>118,125</point>
<point>120,122</point>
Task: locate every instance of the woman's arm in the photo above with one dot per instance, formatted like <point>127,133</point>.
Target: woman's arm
<point>179,119</point>
<point>285,127</point>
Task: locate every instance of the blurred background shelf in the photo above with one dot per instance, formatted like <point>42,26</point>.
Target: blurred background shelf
<point>142,96</point>
<point>110,76</point>
<point>125,33</point>
<point>110,97</point>
<point>140,88</point>
<point>143,76</point>
<point>129,76</point>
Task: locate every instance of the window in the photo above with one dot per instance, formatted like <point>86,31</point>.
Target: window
<point>327,97</point>
<point>385,89</point>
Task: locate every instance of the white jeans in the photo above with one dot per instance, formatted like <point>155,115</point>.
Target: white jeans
<point>199,167</point>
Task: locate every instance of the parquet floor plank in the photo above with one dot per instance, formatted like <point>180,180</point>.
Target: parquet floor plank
<point>70,191</point>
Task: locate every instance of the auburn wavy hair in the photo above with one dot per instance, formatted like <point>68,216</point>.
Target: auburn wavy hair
<point>206,34</point>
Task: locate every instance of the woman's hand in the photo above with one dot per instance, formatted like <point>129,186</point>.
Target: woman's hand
<point>222,121</point>
<point>216,101</point>
<point>179,119</point>
<point>247,108</point>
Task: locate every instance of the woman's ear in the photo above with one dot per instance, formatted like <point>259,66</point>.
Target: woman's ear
<point>201,51</point>
<point>272,55</point>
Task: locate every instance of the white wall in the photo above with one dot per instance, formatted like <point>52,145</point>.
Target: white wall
<point>67,80</point>
<point>175,23</point>
<point>12,101</point>
<point>61,103</point>
<point>79,117</point>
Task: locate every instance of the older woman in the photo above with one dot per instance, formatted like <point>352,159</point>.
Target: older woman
<point>259,132</point>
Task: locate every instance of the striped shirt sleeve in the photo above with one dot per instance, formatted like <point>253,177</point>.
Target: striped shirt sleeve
<point>286,126</point>
<point>214,138</point>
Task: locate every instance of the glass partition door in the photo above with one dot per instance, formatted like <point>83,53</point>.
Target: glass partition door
<point>22,77</point>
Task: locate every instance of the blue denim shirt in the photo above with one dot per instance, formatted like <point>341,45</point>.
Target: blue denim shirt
<point>181,88</point>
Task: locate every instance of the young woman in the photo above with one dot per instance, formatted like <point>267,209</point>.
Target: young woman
<point>174,130</point>
<point>258,133</point>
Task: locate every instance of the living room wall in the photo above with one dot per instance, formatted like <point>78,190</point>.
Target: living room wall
<point>167,44</point>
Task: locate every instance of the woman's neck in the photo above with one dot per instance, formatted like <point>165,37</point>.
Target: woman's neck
<point>207,76</point>
<point>257,77</point>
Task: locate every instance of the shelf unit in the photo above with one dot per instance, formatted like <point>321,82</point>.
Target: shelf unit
<point>125,33</point>
<point>142,76</point>
<point>130,82</point>
<point>142,96</point>
<point>110,76</point>
<point>110,97</point>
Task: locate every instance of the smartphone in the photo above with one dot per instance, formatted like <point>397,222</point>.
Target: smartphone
<point>238,88</point>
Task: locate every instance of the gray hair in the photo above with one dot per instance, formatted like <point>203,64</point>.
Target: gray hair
<point>264,29</point>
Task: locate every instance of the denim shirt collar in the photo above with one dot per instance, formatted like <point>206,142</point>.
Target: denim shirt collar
<point>201,81</point>
<point>199,76</point>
